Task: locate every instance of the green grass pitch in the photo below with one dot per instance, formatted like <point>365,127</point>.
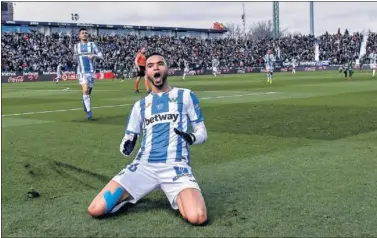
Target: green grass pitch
<point>294,158</point>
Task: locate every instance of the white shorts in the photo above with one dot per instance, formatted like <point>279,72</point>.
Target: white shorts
<point>186,70</point>
<point>139,179</point>
<point>86,78</point>
<point>372,66</point>
<point>214,69</point>
<point>269,69</point>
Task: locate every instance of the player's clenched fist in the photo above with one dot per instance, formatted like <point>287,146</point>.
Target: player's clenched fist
<point>128,144</point>
<point>188,137</point>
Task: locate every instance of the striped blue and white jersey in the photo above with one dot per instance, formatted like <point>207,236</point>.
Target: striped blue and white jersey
<point>82,52</point>
<point>156,116</point>
<point>269,60</point>
<point>373,58</point>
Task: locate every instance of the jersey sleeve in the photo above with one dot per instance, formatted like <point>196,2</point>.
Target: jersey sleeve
<point>134,120</point>
<point>193,108</point>
<point>96,51</point>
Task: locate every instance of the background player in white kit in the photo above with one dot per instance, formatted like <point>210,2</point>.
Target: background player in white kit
<point>294,63</point>
<point>215,65</point>
<point>58,72</point>
<point>85,52</point>
<point>373,62</point>
<point>163,161</point>
<point>269,60</point>
<point>186,69</point>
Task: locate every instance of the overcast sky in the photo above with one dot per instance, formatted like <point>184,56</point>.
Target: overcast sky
<point>294,16</point>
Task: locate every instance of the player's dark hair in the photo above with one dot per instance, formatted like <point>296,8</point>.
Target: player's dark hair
<point>82,29</point>
<point>155,53</point>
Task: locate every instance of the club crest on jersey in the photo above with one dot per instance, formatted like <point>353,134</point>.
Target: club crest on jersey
<point>181,171</point>
<point>160,106</point>
<point>160,118</point>
<point>173,99</point>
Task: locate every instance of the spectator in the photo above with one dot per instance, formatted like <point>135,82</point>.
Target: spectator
<point>35,51</point>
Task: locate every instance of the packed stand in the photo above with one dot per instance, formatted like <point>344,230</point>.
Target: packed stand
<point>38,52</point>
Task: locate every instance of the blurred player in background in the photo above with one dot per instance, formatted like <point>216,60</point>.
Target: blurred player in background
<point>362,61</point>
<point>58,72</point>
<point>163,161</point>
<point>119,70</point>
<point>357,63</point>
<point>373,62</point>
<point>269,60</point>
<point>85,53</point>
<point>348,69</point>
<point>294,63</point>
<point>215,65</point>
<point>129,72</point>
<point>186,69</point>
<point>140,66</point>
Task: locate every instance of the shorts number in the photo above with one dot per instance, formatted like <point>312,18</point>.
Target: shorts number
<point>133,167</point>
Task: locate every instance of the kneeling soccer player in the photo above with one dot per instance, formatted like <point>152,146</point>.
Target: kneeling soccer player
<point>163,161</point>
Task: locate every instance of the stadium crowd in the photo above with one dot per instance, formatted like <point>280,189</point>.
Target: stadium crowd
<point>35,51</point>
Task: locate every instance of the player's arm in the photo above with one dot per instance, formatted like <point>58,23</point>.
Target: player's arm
<point>265,59</point>
<point>132,131</point>
<point>136,62</point>
<point>199,134</point>
<point>97,54</point>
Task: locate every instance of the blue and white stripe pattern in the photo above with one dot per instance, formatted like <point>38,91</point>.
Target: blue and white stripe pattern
<point>82,52</point>
<point>373,58</point>
<point>156,116</point>
<point>269,60</point>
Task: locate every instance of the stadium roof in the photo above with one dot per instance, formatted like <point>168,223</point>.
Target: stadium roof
<point>107,26</point>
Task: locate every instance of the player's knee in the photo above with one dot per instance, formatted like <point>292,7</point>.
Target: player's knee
<point>196,217</point>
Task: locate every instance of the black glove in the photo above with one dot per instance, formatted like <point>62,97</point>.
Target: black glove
<point>128,144</point>
<point>188,137</point>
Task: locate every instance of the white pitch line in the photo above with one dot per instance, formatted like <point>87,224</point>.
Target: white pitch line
<point>62,110</point>
<point>238,95</point>
<point>122,105</point>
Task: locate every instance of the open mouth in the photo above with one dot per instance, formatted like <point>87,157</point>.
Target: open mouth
<point>157,78</point>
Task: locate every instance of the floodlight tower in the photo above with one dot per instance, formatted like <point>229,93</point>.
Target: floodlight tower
<point>312,18</point>
<point>275,12</point>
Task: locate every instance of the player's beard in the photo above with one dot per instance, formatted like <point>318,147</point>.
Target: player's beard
<point>158,80</point>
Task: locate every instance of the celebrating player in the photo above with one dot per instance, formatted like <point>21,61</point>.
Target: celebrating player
<point>85,52</point>
<point>373,59</point>
<point>269,61</point>
<point>163,161</point>
<point>140,66</point>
